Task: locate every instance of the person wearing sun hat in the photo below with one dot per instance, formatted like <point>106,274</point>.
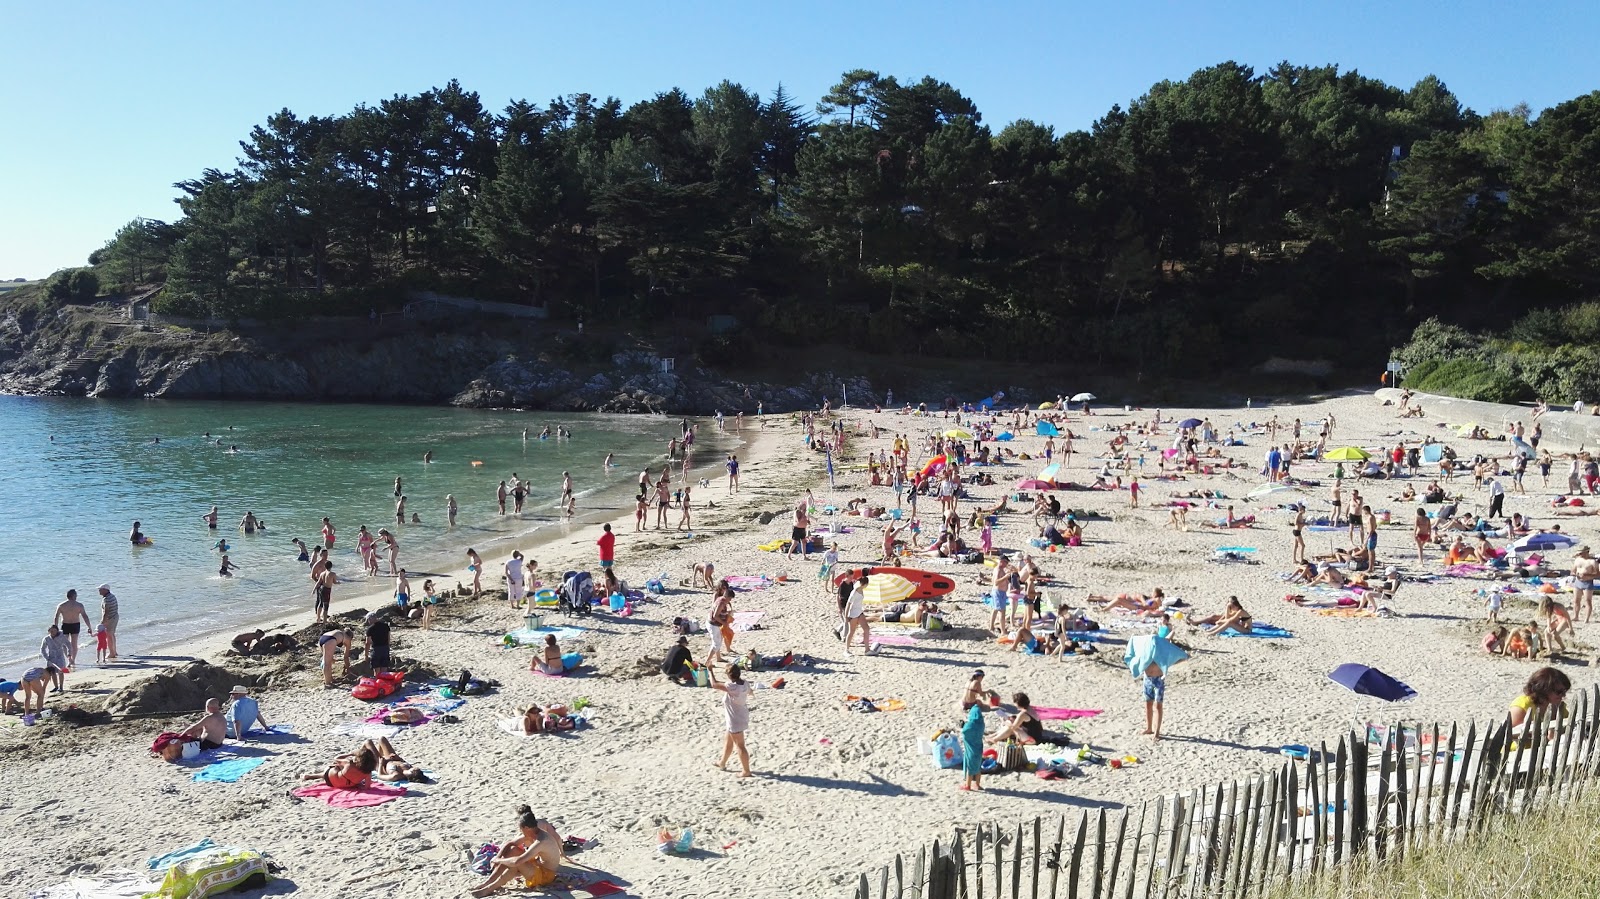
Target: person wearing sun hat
<point>244,713</point>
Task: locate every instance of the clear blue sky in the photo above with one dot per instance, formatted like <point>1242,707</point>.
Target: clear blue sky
<point>107,104</point>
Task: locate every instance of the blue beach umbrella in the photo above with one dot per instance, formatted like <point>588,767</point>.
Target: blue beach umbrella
<point>1369,681</point>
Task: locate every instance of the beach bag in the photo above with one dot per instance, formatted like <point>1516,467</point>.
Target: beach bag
<point>947,750</point>
<point>1013,757</point>
<point>702,677</point>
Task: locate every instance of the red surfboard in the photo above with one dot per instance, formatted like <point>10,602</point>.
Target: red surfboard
<point>929,584</point>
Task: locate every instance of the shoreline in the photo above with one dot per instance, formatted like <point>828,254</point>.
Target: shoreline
<point>214,644</point>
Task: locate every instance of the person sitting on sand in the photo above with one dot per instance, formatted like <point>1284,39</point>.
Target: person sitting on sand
<point>550,663</point>
<point>1024,727</point>
<point>212,728</point>
<point>1484,551</point>
<point>1329,575</point>
<point>677,665</point>
<point>1304,573</point>
<point>1234,617</point>
<point>537,720</point>
<point>975,694</point>
<point>534,856</point>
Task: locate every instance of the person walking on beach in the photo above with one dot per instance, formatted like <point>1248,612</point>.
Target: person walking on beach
<point>393,547</point>
<point>71,616</point>
<point>663,499</point>
<point>608,547</point>
<point>514,583</point>
<point>797,533</point>
<point>736,715</point>
<point>733,473</point>
<point>1585,571</point>
<point>719,624</point>
<point>475,565</point>
<point>322,589</point>
<point>855,617</point>
<point>972,749</point>
<point>110,613</point>
<point>683,507</point>
<point>566,487</point>
<point>450,508</point>
<point>1497,498</point>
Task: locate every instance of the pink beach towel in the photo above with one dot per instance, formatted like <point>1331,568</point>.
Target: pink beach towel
<point>1046,713</point>
<point>744,582</point>
<point>746,620</point>
<point>893,640</point>
<point>372,794</point>
<point>377,717</point>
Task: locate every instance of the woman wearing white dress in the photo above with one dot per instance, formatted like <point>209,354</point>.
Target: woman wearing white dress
<point>736,711</point>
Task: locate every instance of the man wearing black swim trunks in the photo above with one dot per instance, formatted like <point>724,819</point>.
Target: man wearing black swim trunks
<point>212,728</point>
<point>71,615</point>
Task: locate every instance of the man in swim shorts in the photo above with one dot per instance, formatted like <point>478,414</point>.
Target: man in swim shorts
<point>246,641</point>
<point>212,728</point>
<point>71,616</point>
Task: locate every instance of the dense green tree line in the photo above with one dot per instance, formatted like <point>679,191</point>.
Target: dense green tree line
<point>1215,220</point>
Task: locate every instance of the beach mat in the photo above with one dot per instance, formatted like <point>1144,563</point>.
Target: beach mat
<point>336,797</point>
<point>536,636</point>
<point>1265,631</point>
<point>362,731</point>
<point>513,726</point>
<point>747,620</point>
<point>744,582</point>
<point>229,771</point>
<point>1050,713</point>
<point>893,640</point>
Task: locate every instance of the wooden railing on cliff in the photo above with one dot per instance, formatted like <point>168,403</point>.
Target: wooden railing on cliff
<point>1376,795</point>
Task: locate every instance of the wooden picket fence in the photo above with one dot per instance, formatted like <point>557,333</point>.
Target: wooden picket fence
<point>1378,794</point>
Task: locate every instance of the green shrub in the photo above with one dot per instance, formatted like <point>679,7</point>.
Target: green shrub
<point>1470,379</point>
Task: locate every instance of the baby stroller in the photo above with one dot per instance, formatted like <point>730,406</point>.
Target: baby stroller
<point>576,589</point>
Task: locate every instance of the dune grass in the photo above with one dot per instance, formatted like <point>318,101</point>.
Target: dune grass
<point>1546,854</point>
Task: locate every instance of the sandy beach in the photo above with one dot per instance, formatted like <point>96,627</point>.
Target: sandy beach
<point>836,792</point>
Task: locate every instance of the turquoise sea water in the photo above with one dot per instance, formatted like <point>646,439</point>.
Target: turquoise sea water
<point>67,503</point>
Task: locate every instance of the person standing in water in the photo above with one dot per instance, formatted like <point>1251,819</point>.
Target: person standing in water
<point>400,510</point>
<point>210,518</point>
<point>450,508</point>
<point>323,582</point>
<point>397,490</point>
<point>608,464</point>
<point>327,533</point>
<point>248,523</point>
<point>137,537</point>
<point>566,487</point>
<point>427,457</point>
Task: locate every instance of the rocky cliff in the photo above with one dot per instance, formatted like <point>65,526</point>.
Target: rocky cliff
<point>84,355</point>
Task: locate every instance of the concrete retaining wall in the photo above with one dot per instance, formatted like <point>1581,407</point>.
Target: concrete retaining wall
<point>1563,431</point>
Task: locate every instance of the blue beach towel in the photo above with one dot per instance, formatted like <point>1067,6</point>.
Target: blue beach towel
<point>229,771</point>
<point>162,862</point>
<point>1261,630</point>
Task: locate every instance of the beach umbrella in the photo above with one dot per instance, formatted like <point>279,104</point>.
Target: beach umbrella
<point>1346,454</point>
<point>1543,542</point>
<point>886,588</point>
<point>1083,397</point>
<point>1468,428</point>
<point>1047,405</point>
<point>1035,484</point>
<point>958,434</point>
<point>1190,423</point>
<point>1269,490</point>
<point>1369,681</point>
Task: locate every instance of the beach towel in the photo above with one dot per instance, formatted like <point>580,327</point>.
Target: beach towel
<point>893,640</point>
<point>1048,713</point>
<point>1145,650</point>
<point>1267,631</point>
<point>163,862</point>
<point>377,718</point>
<point>117,883</point>
<point>1089,636</point>
<point>513,726</point>
<point>216,871</point>
<point>1346,613</point>
<point>229,771</point>
<point>337,797</point>
<point>363,731</point>
<point>744,582</point>
<point>863,704</point>
<point>746,620</point>
<point>535,637</point>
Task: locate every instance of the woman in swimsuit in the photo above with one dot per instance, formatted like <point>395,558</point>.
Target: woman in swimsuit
<point>1423,531</point>
<point>551,663</point>
<point>349,772</point>
<point>975,694</point>
<point>1025,726</point>
<point>475,565</point>
<point>1233,617</point>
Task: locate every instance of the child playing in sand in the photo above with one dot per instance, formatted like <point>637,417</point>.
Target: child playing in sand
<point>1557,622</point>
